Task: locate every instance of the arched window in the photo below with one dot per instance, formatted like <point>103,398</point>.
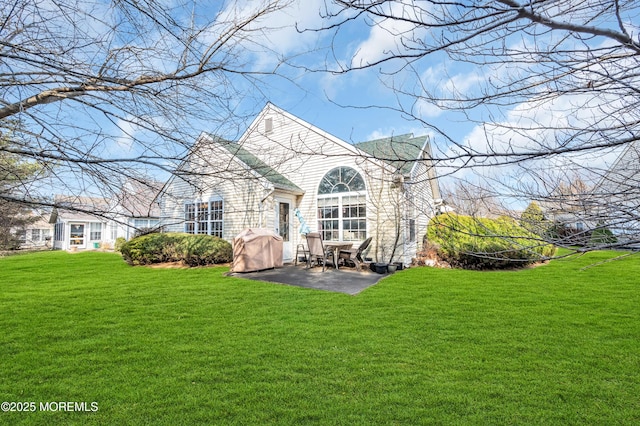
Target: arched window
<point>342,205</point>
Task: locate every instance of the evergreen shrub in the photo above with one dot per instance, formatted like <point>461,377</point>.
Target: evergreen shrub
<point>120,241</point>
<point>192,250</point>
<point>481,243</point>
<point>600,236</point>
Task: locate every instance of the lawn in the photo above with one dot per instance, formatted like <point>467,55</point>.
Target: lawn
<point>557,344</point>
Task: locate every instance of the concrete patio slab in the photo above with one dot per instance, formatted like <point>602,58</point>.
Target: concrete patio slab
<point>342,280</point>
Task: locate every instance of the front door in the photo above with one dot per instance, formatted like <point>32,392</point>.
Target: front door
<point>283,227</point>
<point>77,235</point>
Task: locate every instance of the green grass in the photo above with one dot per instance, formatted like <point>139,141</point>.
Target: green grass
<point>550,345</point>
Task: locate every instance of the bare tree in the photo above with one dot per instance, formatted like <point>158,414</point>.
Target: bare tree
<point>550,87</point>
<point>473,199</point>
<point>105,92</point>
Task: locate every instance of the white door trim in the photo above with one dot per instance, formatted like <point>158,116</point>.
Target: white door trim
<point>287,246</point>
<point>76,236</point>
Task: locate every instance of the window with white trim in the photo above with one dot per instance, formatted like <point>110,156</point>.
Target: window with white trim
<point>144,223</point>
<point>204,217</point>
<point>412,230</point>
<point>95,231</point>
<point>342,206</point>
<point>58,231</point>
<point>36,235</point>
<point>113,231</point>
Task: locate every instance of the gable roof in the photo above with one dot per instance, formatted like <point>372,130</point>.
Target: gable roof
<point>400,151</point>
<point>136,198</point>
<point>258,166</point>
<point>270,108</point>
<point>398,154</point>
<point>79,208</point>
<point>622,173</point>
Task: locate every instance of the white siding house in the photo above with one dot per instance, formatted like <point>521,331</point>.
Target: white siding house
<point>615,200</point>
<point>74,230</point>
<point>384,189</point>
<point>35,235</point>
<point>82,223</point>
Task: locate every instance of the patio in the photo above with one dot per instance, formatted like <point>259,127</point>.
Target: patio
<point>337,280</point>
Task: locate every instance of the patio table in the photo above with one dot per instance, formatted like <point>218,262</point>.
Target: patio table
<point>336,246</point>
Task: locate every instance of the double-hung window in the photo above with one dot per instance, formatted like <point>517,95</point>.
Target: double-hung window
<point>35,235</point>
<point>204,217</point>
<point>342,201</point>
<point>95,231</point>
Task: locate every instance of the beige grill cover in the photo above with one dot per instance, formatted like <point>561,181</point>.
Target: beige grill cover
<point>256,249</point>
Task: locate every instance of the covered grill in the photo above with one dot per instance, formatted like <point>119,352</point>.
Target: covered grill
<point>256,249</point>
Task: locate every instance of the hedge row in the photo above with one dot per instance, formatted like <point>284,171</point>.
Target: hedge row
<point>193,250</point>
<point>481,243</point>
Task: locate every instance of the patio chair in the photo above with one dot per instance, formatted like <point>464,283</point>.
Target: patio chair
<point>317,251</point>
<point>355,255</point>
<point>302,254</point>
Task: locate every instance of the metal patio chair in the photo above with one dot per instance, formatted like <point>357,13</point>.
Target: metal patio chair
<point>355,255</point>
<point>317,250</point>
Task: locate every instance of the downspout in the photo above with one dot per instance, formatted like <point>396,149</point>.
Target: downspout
<point>398,211</point>
<point>407,221</point>
<point>261,206</point>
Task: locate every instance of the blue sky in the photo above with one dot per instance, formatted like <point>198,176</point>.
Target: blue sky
<point>350,106</point>
<point>336,103</point>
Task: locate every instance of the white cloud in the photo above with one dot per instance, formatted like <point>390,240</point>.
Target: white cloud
<point>538,127</point>
<point>278,33</point>
<point>127,130</point>
<point>385,40</point>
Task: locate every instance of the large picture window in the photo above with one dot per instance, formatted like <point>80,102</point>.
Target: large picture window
<point>204,217</point>
<point>342,202</point>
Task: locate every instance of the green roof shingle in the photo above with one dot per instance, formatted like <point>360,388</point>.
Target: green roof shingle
<point>400,151</point>
<point>259,166</point>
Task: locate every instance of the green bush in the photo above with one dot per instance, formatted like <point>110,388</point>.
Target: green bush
<point>480,243</point>
<point>197,250</point>
<point>193,250</point>
<point>120,241</point>
<point>601,236</point>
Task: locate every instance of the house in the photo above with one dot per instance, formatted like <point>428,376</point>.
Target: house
<point>615,199</point>
<point>78,223</point>
<point>385,189</point>
<point>569,209</point>
<point>91,223</point>
<point>579,210</point>
<point>36,234</point>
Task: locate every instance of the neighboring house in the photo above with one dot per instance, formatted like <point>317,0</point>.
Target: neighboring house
<point>612,204</point>
<point>77,227</point>
<point>37,234</point>
<point>385,189</point>
<point>137,208</point>
<point>91,223</point>
<point>571,216</point>
<point>615,200</point>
